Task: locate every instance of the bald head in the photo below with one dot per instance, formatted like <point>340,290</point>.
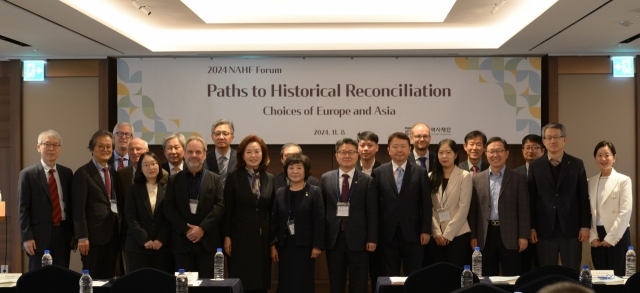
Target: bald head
<point>136,148</point>
<point>421,138</point>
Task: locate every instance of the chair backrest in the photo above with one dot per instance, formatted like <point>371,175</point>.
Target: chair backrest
<point>537,284</point>
<point>633,284</point>
<point>480,288</point>
<point>145,280</point>
<point>546,271</point>
<point>49,279</point>
<point>440,277</point>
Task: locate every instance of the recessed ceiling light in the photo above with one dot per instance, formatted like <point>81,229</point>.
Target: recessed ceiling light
<point>36,50</point>
<point>626,23</point>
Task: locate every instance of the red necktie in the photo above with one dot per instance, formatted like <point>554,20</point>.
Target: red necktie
<point>107,181</point>
<point>55,198</point>
<point>344,195</point>
<point>475,170</point>
<point>121,165</point>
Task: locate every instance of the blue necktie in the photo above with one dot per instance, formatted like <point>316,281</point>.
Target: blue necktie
<point>423,162</point>
<point>399,180</point>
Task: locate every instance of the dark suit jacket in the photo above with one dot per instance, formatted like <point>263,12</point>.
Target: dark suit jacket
<point>522,170</point>
<point>211,163</point>
<point>36,209</point>
<point>569,198</point>
<point>208,215</point>
<point>432,159</point>
<point>465,166</point>
<point>309,220</point>
<point>281,181</point>
<point>125,177</point>
<point>412,207</point>
<point>361,226</point>
<point>92,215</point>
<point>143,224</point>
<point>376,164</point>
<point>513,208</point>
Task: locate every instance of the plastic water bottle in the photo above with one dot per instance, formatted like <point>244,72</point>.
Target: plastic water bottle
<point>476,262</point>
<point>86,283</point>
<point>46,259</point>
<point>467,277</point>
<point>182,282</point>
<point>585,276</point>
<point>631,262</point>
<point>218,266</point>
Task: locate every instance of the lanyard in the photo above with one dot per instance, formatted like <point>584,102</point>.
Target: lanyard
<point>201,181</point>
<point>353,180</point>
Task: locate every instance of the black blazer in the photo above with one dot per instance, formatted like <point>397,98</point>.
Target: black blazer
<point>522,170</point>
<point>309,221</point>
<point>281,181</point>
<point>465,166</point>
<point>208,215</point>
<point>569,198</point>
<point>244,217</point>
<point>36,209</point>
<point>361,226</point>
<point>144,225</point>
<point>412,208</point>
<point>432,159</point>
<point>376,164</point>
<point>211,163</point>
<point>92,215</point>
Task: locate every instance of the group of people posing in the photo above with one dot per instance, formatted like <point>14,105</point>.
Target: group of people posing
<point>125,210</point>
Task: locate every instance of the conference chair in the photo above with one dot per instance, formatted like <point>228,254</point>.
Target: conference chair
<point>537,284</point>
<point>145,280</point>
<point>441,277</point>
<point>51,278</point>
<point>546,271</point>
<point>633,284</point>
<point>480,288</point>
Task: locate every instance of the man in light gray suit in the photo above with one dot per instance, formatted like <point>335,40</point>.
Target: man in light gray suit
<point>501,224</point>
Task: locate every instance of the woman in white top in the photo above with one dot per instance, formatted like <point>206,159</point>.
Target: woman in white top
<point>451,189</point>
<point>611,206</point>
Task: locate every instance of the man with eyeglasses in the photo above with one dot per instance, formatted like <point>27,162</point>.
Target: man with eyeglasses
<point>97,209</point>
<point>532,148</point>
<point>502,222</point>
<point>222,160</point>
<point>351,203</point>
<point>44,200</point>
<point>289,149</point>
<point>421,139</point>
<point>405,209</point>
<point>474,143</point>
<point>560,206</point>
<point>122,135</point>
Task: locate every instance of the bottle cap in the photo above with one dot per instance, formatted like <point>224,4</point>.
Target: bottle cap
<point>630,247</point>
<point>46,252</point>
<point>467,267</point>
<point>85,272</point>
<point>181,271</point>
<point>586,267</point>
<point>219,249</point>
<point>477,248</point>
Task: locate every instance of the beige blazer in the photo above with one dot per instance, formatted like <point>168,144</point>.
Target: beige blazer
<point>457,200</point>
<point>614,207</point>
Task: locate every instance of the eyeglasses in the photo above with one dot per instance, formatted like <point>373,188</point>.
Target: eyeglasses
<point>534,148</point>
<point>147,165</point>
<point>350,153</point>
<point>125,134</point>
<point>553,137</point>
<point>47,145</point>
<point>419,137</point>
<point>221,133</point>
<point>495,152</point>
<point>400,146</point>
<point>104,147</point>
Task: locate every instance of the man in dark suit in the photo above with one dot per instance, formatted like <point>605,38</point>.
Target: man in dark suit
<point>351,220</point>
<point>173,146</point>
<point>122,135</point>
<point>367,149</point>
<point>532,148</point>
<point>421,139</point>
<point>474,143</point>
<point>503,223</point>
<point>405,209</point>
<point>44,197</point>
<point>194,205</point>
<point>97,209</point>
<point>560,206</point>
<point>222,160</point>
<point>287,150</point>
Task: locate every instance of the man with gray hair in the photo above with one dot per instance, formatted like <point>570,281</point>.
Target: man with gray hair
<point>287,150</point>
<point>173,146</point>
<point>122,134</point>
<point>44,200</point>
<point>222,160</point>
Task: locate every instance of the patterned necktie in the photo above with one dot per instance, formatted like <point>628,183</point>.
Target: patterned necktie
<point>423,162</point>
<point>474,169</point>
<point>399,179</point>
<point>175,170</point>
<point>121,164</point>
<point>107,181</point>
<point>554,162</point>
<point>222,166</point>
<point>255,183</point>
<point>344,195</point>
<point>55,198</point>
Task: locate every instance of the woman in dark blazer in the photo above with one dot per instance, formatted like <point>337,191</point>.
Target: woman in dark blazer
<point>248,196</point>
<point>148,235</point>
<point>297,228</point>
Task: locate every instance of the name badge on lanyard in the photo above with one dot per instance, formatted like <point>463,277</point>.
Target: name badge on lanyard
<point>193,205</point>
<point>443,215</point>
<point>292,227</point>
<point>114,206</point>
<point>343,209</point>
